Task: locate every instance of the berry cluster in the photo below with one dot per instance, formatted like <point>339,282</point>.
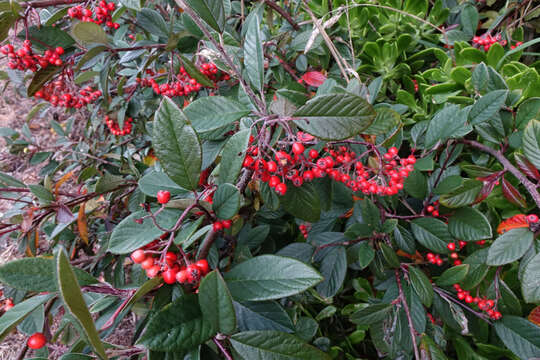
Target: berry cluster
<point>63,92</point>
<point>340,163</point>
<point>433,209</point>
<point>103,14</point>
<point>454,248</point>
<point>435,259</point>
<point>486,41</point>
<point>519,43</point>
<point>221,224</point>
<point>304,229</point>
<point>171,271</point>
<point>415,83</point>
<point>484,304</point>
<point>25,59</point>
<point>115,128</point>
<point>183,84</point>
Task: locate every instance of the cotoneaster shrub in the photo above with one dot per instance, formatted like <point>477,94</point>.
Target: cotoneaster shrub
<point>275,179</point>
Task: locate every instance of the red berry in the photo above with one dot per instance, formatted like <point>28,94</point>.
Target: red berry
<point>271,166</point>
<point>454,255</point>
<point>59,50</point>
<point>496,315</point>
<point>313,153</point>
<point>203,266</point>
<point>451,246</point>
<point>36,341</point>
<point>193,273</point>
<point>468,299</point>
<point>138,256</point>
<point>281,189</point>
<point>227,224</point>
<point>532,218</point>
<point>457,262</point>
<point>147,263</point>
<point>298,148</point>
<point>169,276</point>
<point>170,258</point>
<point>462,244</point>
<point>217,226</point>
<point>182,276</point>
<point>490,303</point>
<point>163,196</point>
<point>153,271</point>
<point>461,295</point>
<point>435,213</point>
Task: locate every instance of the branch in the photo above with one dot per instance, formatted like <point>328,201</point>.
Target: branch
<point>47,3</point>
<point>531,188</point>
<point>408,314</point>
<point>283,13</point>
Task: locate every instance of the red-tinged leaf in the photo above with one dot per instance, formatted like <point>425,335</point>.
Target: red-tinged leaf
<point>512,194</point>
<point>526,166</point>
<point>486,190</point>
<point>516,221</point>
<point>534,316</point>
<point>314,78</point>
<point>64,215</point>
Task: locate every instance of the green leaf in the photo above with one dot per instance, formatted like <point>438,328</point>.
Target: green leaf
<point>211,11</point>
<point>152,21</point>
<point>41,193</point>
<point>45,37</point>
<point>16,314</point>
<point>155,181</point>
<point>453,275</point>
<point>302,202</point>
<point>389,255</point>
<point>179,326</point>
<point>447,123</point>
<point>531,142</point>
<point>40,78</point>
<point>253,54</point>
<point>335,116</point>
<point>226,201</point>
<point>371,314</point>
<point>528,110</point>
<point>510,246</point>
<point>530,282</point>
<point>487,106</point>
<point>469,224</point>
<point>213,112</point>
<point>385,120</point>
<point>194,73</point>
<point>462,196</point>
<point>216,303</point>
<point>89,55</point>
<point>88,32</point>
<point>262,316</point>
<point>36,274</point>
<point>521,336</point>
<point>448,184</point>
<point>128,236</point>
<point>269,277</point>
<point>274,345</point>
<point>371,214</point>
<point>421,285</point>
<point>177,145</point>
<point>74,301</point>
<point>333,269</point>
<point>416,184</point>
<point>232,156</point>
<point>432,233</point>
<point>8,180</point>
<point>430,350</point>
<point>469,20</point>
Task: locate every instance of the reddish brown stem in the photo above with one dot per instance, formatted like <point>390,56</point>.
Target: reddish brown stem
<point>47,3</point>
<point>408,314</point>
<point>283,13</point>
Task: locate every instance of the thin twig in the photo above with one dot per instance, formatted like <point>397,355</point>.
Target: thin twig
<point>283,13</point>
<point>408,314</point>
<point>222,348</point>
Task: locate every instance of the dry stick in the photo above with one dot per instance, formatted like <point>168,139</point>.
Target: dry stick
<point>329,43</point>
<point>283,13</point>
<point>408,314</point>
<point>223,53</point>
<point>531,188</point>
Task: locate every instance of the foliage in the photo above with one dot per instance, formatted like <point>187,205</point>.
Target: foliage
<point>328,179</point>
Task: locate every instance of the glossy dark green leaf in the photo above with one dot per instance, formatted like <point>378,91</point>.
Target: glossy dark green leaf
<point>216,303</point>
<point>253,54</point>
<point>226,201</point>
<point>177,145</point>
<point>521,336</point>
<point>421,285</point>
<point>487,106</point>
<point>155,181</point>
<point>303,202</point>
<point>232,157</point>
<point>453,275</point>
<point>510,246</point>
<point>74,302</point>
<point>262,316</point>
<point>469,224</point>
<point>335,116</point>
<point>385,120</point>
<point>36,274</point>
<point>213,112</point>
<point>40,78</point>
<point>464,195</point>
<point>448,184</point>
<point>371,314</point>
<point>152,21</point>
<point>211,11</point>
<point>389,255</point>
<point>194,73</point>
<point>432,233</point>
<point>179,326</point>
<point>274,345</point>
<point>269,277</point>
<point>448,123</point>
<point>416,184</point>
<point>531,142</point>
<point>530,283</point>
<point>333,269</point>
